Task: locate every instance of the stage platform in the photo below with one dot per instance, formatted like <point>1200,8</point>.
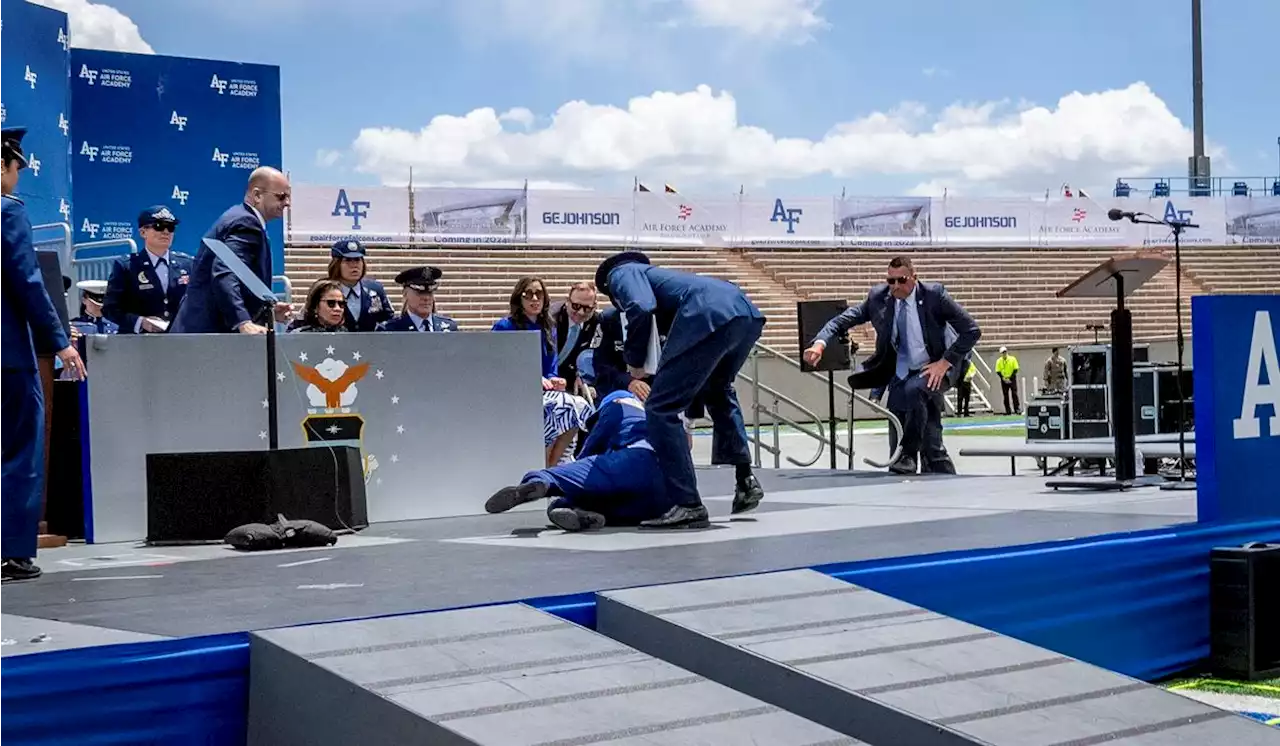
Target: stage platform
<point>810,517</point>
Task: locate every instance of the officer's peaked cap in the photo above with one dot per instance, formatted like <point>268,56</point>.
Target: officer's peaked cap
<point>156,215</point>
<point>93,288</point>
<point>12,138</point>
<point>348,248</point>
<point>612,263</point>
<point>422,279</point>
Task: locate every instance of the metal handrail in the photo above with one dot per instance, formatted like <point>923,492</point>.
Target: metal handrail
<point>132,244</point>
<point>778,397</point>
<point>894,422</point>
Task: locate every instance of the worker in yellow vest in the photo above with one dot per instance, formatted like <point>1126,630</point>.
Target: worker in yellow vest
<point>1007,369</point>
<point>964,389</point>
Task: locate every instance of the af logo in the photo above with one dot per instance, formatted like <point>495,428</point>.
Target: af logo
<point>782,215</point>
<point>220,157</point>
<point>177,121</point>
<point>88,74</point>
<point>352,209</point>
<point>1175,215</point>
<point>332,418</point>
<point>1263,362</point>
<point>62,38</point>
<point>63,124</point>
<point>30,77</point>
<point>33,163</point>
<point>89,150</point>
<point>180,195</point>
<point>89,228</point>
<point>218,84</point>
<point>64,208</point>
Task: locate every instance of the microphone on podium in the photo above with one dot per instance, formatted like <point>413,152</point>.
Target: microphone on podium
<point>1116,213</point>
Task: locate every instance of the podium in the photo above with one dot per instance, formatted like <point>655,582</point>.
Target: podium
<point>1117,278</point>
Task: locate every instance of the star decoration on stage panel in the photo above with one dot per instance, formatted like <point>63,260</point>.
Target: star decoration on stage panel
<point>344,402</point>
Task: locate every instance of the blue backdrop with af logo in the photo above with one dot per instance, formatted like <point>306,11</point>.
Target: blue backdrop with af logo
<point>151,129</point>
<point>33,80</point>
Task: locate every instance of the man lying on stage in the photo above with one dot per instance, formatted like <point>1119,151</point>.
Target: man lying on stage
<point>616,479</point>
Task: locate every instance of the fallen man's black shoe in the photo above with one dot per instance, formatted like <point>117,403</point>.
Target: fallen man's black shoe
<point>575,519</point>
<point>509,497</point>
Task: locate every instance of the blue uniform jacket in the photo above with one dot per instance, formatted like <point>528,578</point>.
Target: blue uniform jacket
<point>618,422</point>
<point>215,300</point>
<point>134,289</point>
<point>402,323</point>
<point>937,311</point>
<point>90,325</point>
<point>375,308</point>
<point>29,323</point>
<point>608,363</point>
<point>688,307</point>
<point>505,324</point>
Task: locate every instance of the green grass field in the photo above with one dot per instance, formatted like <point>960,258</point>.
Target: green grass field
<point>1269,688</point>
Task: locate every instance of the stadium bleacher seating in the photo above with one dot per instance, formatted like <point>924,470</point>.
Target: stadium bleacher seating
<point>1010,291</point>
<point>477,281</point>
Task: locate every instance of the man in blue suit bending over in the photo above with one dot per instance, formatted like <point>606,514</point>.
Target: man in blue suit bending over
<point>216,301</point>
<point>615,479</point>
<point>710,327</point>
<point>30,324</point>
<point>923,342</point>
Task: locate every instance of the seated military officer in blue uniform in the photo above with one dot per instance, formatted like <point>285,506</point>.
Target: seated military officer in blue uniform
<point>710,327</point>
<point>29,325</point>
<point>367,303</point>
<point>146,288</point>
<point>616,479</point>
<point>419,314</point>
<point>91,319</point>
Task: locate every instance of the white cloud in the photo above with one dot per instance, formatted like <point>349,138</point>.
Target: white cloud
<point>760,18</point>
<point>327,158</point>
<point>697,137</point>
<point>619,30</point>
<point>100,26</point>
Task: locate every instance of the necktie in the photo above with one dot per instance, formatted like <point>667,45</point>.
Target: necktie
<point>900,323</point>
<point>353,303</point>
<point>570,340</point>
<point>162,273</point>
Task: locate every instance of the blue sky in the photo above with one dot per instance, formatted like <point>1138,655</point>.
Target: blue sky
<point>784,80</point>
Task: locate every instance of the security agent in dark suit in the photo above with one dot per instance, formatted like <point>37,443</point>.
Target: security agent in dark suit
<point>216,301</point>
<point>710,328</point>
<point>419,314</point>
<point>577,327</point>
<point>30,326</point>
<point>146,288</point>
<point>913,357</point>
<point>367,302</point>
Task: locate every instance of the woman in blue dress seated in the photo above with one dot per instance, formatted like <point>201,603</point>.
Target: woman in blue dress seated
<point>564,415</point>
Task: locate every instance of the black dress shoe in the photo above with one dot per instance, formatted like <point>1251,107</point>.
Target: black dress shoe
<point>904,465</point>
<point>575,519</point>
<point>747,495</point>
<point>20,569</point>
<point>681,516</point>
<point>509,497</point>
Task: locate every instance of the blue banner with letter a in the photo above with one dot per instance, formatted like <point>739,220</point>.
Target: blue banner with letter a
<point>1236,354</point>
<point>156,130</point>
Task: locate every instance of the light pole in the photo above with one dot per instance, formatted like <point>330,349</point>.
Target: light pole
<point>1198,165</point>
